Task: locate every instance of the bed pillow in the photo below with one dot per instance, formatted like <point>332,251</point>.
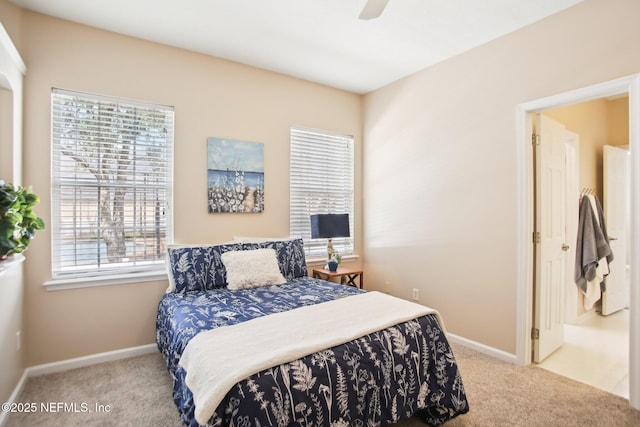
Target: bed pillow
<point>197,268</point>
<point>290,255</point>
<point>167,264</point>
<point>252,268</point>
<point>243,239</point>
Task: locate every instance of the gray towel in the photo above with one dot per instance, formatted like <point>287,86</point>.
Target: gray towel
<point>592,244</point>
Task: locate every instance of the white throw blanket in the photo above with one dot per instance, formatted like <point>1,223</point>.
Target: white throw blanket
<point>216,360</point>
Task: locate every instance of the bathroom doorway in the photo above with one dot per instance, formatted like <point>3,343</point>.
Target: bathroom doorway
<point>525,227</point>
<point>592,131</point>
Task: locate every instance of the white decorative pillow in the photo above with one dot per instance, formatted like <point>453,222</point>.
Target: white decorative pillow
<point>252,268</point>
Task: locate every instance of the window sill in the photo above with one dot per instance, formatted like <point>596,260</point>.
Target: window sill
<point>116,279</point>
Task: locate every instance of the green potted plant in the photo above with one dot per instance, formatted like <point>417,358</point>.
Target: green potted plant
<point>334,261</point>
<point>18,221</point>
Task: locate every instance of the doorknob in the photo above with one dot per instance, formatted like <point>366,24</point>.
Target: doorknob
<point>613,238</point>
<point>565,247</point>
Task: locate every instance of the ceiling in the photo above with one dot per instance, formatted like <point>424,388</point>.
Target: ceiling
<point>318,40</point>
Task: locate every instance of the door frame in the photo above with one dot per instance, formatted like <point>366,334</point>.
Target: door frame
<point>525,199</point>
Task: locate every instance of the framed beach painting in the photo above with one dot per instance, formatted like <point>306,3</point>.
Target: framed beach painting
<point>235,175</point>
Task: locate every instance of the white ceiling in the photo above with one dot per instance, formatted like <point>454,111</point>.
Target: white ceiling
<point>317,40</point>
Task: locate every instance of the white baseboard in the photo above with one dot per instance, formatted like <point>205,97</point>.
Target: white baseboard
<point>4,416</point>
<point>93,359</point>
<point>78,362</point>
<point>485,349</point>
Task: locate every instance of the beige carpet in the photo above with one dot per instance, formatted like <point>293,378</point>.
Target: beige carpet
<point>137,392</point>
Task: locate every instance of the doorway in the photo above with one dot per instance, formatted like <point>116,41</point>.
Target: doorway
<point>594,345</point>
<point>631,86</point>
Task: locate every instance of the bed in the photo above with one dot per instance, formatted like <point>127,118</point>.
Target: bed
<point>377,377</point>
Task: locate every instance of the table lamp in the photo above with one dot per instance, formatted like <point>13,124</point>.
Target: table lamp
<point>328,226</point>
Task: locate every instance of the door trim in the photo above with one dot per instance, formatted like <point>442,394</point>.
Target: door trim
<point>525,195</point>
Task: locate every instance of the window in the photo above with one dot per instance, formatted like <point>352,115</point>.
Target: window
<point>112,171</point>
<point>321,181</point>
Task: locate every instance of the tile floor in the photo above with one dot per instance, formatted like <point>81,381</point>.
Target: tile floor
<point>595,352</point>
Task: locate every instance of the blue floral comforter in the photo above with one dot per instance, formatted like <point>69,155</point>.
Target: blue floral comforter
<point>378,379</point>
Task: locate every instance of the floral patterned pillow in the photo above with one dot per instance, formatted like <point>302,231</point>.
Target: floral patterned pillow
<point>198,268</point>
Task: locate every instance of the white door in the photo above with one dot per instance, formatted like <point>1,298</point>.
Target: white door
<point>572,298</point>
<point>550,247</point>
<point>615,164</point>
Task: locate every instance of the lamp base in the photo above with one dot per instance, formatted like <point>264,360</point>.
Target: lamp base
<point>330,250</point>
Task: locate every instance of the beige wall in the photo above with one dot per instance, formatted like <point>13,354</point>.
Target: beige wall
<point>440,162</point>
<point>6,133</point>
<point>11,18</point>
<point>212,97</point>
<point>599,122</point>
<point>618,116</point>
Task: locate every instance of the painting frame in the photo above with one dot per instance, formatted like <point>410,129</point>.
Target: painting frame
<point>235,176</point>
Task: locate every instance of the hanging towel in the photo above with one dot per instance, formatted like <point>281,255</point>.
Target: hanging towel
<point>596,286</point>
<point>593,253</point>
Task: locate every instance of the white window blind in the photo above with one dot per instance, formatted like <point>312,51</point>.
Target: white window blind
<point>321,181</point>
<point>112,173</point>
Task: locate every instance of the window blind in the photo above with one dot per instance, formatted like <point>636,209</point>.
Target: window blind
<point>321,181</point>
<point>112,173</point>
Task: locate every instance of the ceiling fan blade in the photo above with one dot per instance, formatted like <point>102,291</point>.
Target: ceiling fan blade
<point>373,9</point>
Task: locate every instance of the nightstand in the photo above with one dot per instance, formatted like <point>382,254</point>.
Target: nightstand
<point>347,276</point>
